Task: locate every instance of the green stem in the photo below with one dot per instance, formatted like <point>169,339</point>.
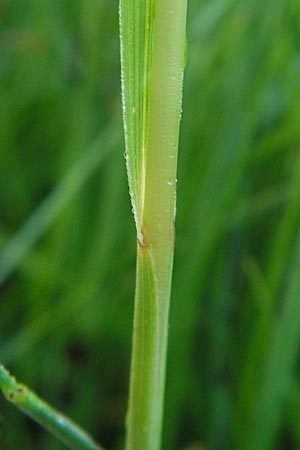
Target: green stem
<point>59,425</point>
<point>156,236</point>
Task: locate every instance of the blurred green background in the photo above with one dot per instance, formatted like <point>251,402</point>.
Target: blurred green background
<point>67,238</point>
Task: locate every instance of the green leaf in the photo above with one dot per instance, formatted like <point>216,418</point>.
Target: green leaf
<point>58,424</point>
<point>143,382</point>
<point>152,59</point>
<point>136,33</point>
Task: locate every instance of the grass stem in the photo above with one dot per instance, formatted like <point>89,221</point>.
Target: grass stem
<point>59,425</point>
<point>153,189</point>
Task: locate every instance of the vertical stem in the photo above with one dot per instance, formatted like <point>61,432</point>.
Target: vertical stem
<point>155,251</point>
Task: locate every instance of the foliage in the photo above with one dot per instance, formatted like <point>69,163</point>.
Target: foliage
<point>66,308</point>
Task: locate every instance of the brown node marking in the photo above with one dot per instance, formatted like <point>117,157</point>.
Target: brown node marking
<point>142,240</point>
<point>140,243</point>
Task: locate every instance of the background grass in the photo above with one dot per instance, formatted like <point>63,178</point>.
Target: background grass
<point>67,243</point>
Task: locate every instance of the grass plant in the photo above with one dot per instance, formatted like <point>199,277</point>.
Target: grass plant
<point>152,77</point>
<point>66,301</point>
<point>62,427</point>
<point>152,57</point>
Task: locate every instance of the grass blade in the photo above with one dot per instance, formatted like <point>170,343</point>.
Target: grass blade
<point>152,57</point>
<point>278,369</point>
<point>59,425</point>
<point>41,219</point>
